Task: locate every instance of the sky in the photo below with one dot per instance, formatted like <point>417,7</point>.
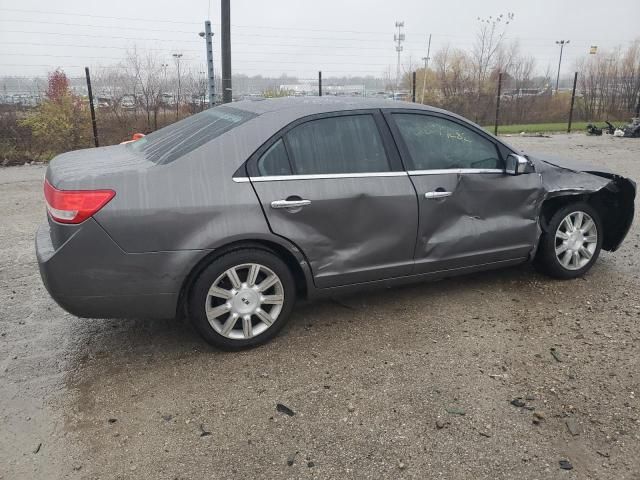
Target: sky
<point>339,37</point>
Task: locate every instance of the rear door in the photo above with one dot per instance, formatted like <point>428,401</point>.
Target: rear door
<point>333,185</point>
<point>471,213</point>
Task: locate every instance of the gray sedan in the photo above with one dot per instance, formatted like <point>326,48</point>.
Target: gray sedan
<point>232,214</point>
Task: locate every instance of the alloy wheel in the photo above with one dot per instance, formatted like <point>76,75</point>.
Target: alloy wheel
<point>244,301</point>
<point>576,240</point>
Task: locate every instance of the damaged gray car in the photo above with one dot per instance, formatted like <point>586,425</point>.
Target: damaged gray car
<point>232,214</point>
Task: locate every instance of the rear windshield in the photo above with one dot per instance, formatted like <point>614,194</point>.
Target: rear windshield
<point>175,140</point>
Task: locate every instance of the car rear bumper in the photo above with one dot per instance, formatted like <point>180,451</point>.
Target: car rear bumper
<point>90,276</point>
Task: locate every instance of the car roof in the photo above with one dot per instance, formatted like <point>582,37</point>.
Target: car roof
<point>324,104</point>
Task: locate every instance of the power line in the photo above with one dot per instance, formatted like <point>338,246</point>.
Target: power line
<point>49,12</point>
<point>267,27</point>
<point>187,50</point>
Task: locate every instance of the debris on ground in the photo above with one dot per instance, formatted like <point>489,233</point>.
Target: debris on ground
<point>203,431</point>
<point>538,418</point>
<point>284,409</point>
<point>291,459</point>
<point>555,354</point>
<point>572,426</point>
<point>518,402</point>
<point>565,465</point>
<point>38,447</point>
<point>455,411</point>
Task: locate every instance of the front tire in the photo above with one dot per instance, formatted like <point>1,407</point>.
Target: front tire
<point>242,299</point>
<point>572,242</point>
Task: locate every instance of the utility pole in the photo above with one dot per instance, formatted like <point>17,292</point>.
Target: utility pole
<point>226,50</point>
<point>320,83</point>
<point>495,130</point>
<point>177,56</point>
<point>562,43</point>
<point>208,38</point>
<point>398,38</point>
<point>426,65</point>
<point>413,87</point>
<point>573,99</point>
<point>93,110</point>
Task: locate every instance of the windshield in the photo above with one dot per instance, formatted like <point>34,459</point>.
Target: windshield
<point>175,140</point>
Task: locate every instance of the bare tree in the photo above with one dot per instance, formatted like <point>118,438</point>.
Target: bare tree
<point>630,77</point>
<point>488,42</point>
<point>195,90</point>
<point>146,71</point>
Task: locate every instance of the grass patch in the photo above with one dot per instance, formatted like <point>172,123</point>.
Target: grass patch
<point>547,127</point>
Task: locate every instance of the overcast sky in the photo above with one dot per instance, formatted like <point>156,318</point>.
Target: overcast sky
<point>340,37</point>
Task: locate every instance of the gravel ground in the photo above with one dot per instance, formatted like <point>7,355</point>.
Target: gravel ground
<point>412,382</point>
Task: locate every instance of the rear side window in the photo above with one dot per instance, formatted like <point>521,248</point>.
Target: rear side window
<point>344,144</point>
<point>275,161</point>
<point>175,140</point>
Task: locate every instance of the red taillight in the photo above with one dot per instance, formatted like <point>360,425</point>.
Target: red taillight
<point>74,206</point>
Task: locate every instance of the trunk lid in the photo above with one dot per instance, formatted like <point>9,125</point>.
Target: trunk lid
<point>94,167</point>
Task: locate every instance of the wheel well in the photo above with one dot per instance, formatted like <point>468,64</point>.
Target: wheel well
<point>611,203</point>
<point>285,255</point>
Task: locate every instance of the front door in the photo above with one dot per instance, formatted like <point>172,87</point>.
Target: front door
<point>470,212</point>
<point>332,185</point>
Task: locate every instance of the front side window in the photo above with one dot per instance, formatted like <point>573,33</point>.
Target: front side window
<point>344,144</point>
<point>435,143</point>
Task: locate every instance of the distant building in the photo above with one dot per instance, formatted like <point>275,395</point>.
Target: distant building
<point>303,89</point>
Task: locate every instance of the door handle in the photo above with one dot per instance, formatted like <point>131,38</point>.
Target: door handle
<point>437,194</point>
<point>290,203</point>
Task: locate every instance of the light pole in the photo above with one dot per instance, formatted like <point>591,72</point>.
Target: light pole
<point>208,35</point>
<point>562,43</point>
<point>398,38</point>
<point>164,86</point>
<point>177,56</point>
<point>426,65</point>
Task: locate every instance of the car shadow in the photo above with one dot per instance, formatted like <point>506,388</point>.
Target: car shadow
<point>129,340</point>
<point>110,345</point>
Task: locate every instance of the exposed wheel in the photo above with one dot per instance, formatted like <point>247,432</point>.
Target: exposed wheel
<point>572,243</point>
<point>242,299</point>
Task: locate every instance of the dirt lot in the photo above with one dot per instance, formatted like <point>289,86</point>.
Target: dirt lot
<point>414,382</point>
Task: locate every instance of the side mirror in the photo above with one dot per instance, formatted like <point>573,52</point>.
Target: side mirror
<point>517,165</point>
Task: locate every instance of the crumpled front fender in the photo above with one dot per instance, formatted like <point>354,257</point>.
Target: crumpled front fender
<point>610,194</point>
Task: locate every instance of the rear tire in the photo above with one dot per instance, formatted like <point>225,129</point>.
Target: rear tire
<point>242,299</point>
<point>572,242</point>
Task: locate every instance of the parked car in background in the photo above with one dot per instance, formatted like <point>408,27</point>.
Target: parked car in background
<point>230,215</point>
<point>128,102</point>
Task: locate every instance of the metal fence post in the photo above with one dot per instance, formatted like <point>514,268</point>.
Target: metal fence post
<point>320,83</point>
<point>495,130</point>
<point>413,87</point>
<point>91,107</point>
<point>573,98</point>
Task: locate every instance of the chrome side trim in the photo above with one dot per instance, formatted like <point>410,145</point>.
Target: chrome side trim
<point>275,178</point>
<point>455,171</point>
<point>326,176</point>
